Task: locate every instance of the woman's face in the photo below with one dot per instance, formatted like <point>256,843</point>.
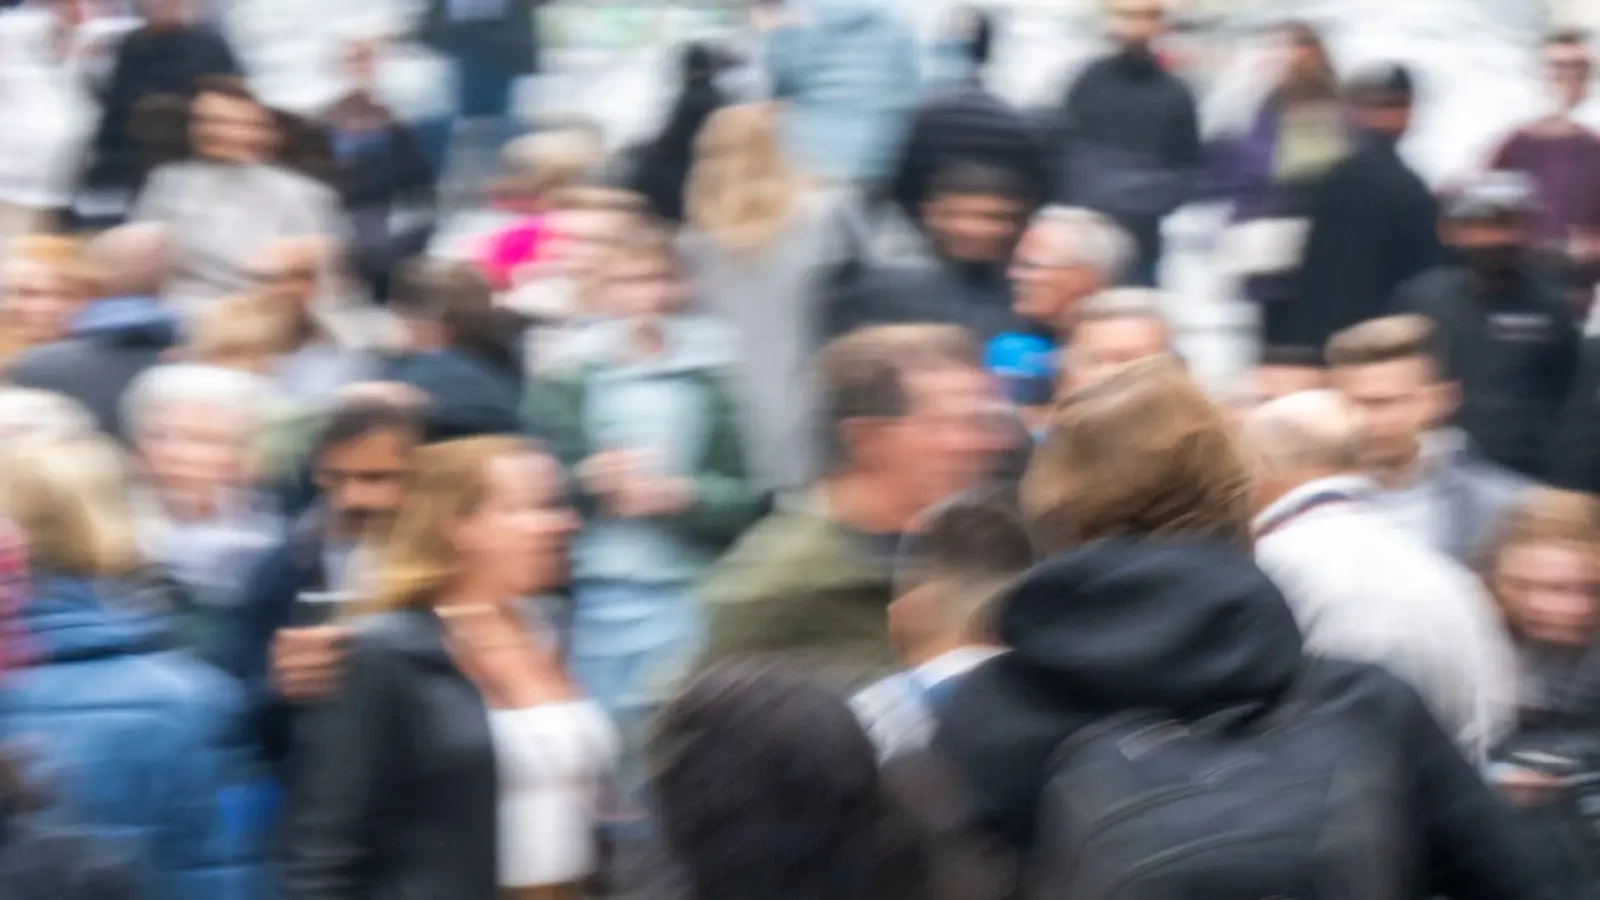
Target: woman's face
<point>1549,592</point>
<point>230,129</point>
<point>522,530</point>
<point>197,451</point>
<point>641,286</point>
<point>39,300</point>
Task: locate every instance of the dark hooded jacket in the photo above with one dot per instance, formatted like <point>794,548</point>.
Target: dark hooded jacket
<point>109,344</point>
<point>1190,628</point>
<point>469,395</point>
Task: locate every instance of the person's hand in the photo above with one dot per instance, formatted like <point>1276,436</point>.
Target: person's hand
<point>654,496</point>
<point>1523,787</point>
<point>494,650</point>
<point>604,474</point>
<point>307,662</point>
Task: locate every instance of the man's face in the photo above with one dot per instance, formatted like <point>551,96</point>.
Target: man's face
<point>1048,281</point>
<point>974,227</point>
<point>1492,237</point>
<point>641,286</point>
<point>1567,67</point>
<point>363,482</point>
<point>1391,117</point>
<point>1135,24</point>
<point>1102,346</point>
<point>949,440</point>
<point>1396,402</point>
<point>38,301</point>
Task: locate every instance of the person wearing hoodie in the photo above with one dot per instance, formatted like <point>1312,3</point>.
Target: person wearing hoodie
<point>648,429</point>
<point>972,215</point>
<point>1506,333</point>
<point>965,122</point>
<point>110,340</point>
<point>847,74</point>
<point>460,351</point>
<point>1127,139</point>
<point>1428,479</point>
<point>1363,588</point>
<point>142,740</point>
<point>906,419</point>
<point>1151,601</point>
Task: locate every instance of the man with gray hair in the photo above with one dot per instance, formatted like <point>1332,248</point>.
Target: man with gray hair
<point>1066,256</point>
<point>1364,589</point>
<point>115,337</point>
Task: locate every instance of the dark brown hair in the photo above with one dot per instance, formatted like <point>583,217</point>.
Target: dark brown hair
<point>456,296</point>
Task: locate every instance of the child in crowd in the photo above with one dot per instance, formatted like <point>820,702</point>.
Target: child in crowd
<point>646,425</point>
<point>953,568</point>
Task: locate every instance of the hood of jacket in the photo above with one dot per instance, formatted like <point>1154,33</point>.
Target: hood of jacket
<point>1129,623</point>
<point>75,620</point>
<point>127,321</point>
<point>468,396</point>
<point>1186,628</point>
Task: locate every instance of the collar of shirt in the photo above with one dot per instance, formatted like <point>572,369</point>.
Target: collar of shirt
<point>1291,504</point>
<point>956,662</point>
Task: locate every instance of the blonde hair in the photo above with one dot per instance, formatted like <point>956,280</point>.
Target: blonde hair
<point>450,482</point>
<point>545,164</point>
<point>741,191</point>
<point>70,496</point>
<point>1143,452</point>
<point>233,331</point>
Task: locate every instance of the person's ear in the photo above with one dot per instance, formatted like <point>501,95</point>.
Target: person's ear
<point>861,438</point>
<point>1446,400</point>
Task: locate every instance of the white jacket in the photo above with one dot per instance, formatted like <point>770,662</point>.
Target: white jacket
<point>1364,590</point>
<point>47,116</point>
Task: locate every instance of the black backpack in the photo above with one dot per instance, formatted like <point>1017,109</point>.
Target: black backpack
<point>1297,803</point>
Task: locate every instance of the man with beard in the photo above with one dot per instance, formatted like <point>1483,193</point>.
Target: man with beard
<point>1374,223</point>
<point>287,645</point>
<point>1505,332</point>
<point>1128,140</point>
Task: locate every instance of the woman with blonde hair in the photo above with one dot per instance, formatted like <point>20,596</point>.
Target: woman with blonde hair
<point>137,725</point>
<point>758,238</point>
<point>458,760</point>
<point>1152,604</point>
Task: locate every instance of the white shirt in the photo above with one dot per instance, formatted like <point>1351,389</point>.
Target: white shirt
<point>1362,589</point>
<point>552,761</point>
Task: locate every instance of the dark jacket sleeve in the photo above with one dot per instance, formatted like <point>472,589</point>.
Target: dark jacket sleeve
<point>1575,456</point>
<point>357,743</point>
<point>726,501</point>
<point>1473,846</point>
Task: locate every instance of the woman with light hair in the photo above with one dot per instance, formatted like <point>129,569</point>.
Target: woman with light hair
<point>139,726</point>
<point>200,517</point>
<point>495,793</point>
<point>1151,603</point>
<point>758,237</point>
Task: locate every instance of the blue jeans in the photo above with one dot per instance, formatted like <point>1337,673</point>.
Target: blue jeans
<point>631,643</point>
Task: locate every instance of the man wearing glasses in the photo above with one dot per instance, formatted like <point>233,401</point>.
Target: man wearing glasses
<point>1563,159</point>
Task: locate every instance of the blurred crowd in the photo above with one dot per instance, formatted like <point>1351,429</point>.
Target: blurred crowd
<point>808,501</point>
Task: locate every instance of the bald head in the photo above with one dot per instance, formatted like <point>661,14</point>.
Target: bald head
<point>1303,436</point>
<point>131,260</point>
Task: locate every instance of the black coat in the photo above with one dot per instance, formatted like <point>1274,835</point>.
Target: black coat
<point>1192,628</point>
<point>1575,462</point>
<point>1126,143</point>
<point>974,126</point>
<point>1515,354</point>
<point>1374,224</point>
<point>373,182</point>
<point>974,296</point>
<point>662,166</point>
<point>150,62</point>
<point>401,800</point>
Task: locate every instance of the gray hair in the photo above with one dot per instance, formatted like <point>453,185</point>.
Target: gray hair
<point>34,413</point>
<point>1124,303</point>
<point>1312,431</point>
<point>1096,241</point>
<point>191,384</point>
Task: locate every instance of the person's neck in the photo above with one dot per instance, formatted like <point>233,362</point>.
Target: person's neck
<point>475,591</point>
<point>1399,474</point>
<point>854,500</point>
<point>927,651</point>
<point>190,504</point>
<point>1559,124</point>
<point>647,338</point>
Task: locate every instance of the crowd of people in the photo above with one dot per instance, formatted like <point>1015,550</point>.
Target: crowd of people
<point>811,501</point>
